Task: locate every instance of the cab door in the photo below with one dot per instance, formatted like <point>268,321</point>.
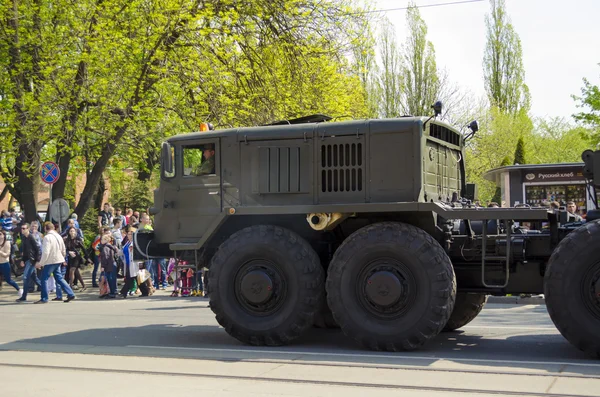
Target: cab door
<point>199,197</point>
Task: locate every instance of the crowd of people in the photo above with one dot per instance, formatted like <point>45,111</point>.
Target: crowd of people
<point>52,262</point>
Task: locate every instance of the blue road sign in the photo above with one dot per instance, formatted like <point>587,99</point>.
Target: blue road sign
<point>49,172</point>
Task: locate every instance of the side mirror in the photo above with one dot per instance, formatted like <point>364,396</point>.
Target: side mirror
<point>166,158</point>
<point>474,126</point>
<point>437,108</point>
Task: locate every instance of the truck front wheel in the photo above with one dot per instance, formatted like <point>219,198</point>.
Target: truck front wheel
<point>391,287</point>
<point>266,284</point>
<point>572,288</point>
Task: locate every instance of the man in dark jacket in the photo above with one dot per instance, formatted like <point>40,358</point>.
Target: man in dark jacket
<point>31,256</point>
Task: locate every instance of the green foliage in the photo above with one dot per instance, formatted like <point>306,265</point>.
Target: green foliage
<point>419,70</point>
<point>69,195</point>
<point>544,142</point>
<point>405,81</point>
<point>497,197</point>
<point>98,80</point>
<point>520,152</point>
<point>557,141</point>
<point>132,193</point>
<point>590,100</point>
<point>89,227</point>
<point>496,139</point>
<point>503,63</point>
<point>388,85</point>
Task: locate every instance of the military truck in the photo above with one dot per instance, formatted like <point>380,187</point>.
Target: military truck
<point>369,224</point>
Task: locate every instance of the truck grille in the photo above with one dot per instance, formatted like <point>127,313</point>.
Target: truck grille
<point>342,167</point>
<point>444,134</point>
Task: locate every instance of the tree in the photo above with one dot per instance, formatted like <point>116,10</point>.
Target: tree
<point>520,152</point>
<point>419,70</point>
<point>558,141</point>
<point>90,81</point>
<point>389,80</point>
<point>503,62</point>
<point>590,99</point>
<point>364,63</point>
<point>496,139</point>
<point>24,114</point>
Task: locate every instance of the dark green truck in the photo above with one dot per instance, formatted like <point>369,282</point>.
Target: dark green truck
<point>368,225</point>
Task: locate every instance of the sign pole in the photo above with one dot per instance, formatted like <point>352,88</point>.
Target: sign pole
<point>49,172</point>
<point>50,206</point>
<point>60,216</point>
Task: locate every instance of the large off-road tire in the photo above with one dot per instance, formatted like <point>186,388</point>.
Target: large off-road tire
<point>466,308</point>
<point>324,317</point>
<point>572,288</point>
<point>266,284</point>
<point>391,287</point>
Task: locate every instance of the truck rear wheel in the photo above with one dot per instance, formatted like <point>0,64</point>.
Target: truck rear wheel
<point>266,284</point>
<point>466,308</point>
<point>572,288</point>
<point>391,287</point>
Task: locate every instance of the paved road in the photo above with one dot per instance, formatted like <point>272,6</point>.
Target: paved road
<point>161,345</point>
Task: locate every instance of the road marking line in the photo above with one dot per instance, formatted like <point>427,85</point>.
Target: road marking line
<point>509,327</point>
<point>353,355</point>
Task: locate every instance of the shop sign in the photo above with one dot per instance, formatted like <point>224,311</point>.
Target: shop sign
<point>553,175</point>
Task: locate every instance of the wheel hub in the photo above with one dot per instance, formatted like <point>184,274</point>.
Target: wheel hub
<point>260,287</point>
<point>384,288</point>
<point>257,287</point>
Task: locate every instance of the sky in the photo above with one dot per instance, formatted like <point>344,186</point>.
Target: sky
<point>560,40</point>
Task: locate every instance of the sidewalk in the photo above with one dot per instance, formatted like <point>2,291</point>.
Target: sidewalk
<point>516,300</point>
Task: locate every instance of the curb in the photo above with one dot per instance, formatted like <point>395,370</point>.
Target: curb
<point>515,300</point>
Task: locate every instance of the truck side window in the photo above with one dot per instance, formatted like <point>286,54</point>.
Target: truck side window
<point>199,160</point>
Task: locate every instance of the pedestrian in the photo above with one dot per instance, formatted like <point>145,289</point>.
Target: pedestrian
<point>108,265</point>
<point>104,216</point>
<point>119,215</point>
<point>4,262</point>
<point>71,224</point>
<point>35,232</point>
<point>134,222</point>
<point>76,256</point>
<point>53,256</point>
<point>96,254</point>
<point>151,265</point>
<point>31,254</point>
<point>116,232</point>
<point>74,217</point>
<point>572,210</point>
<point>128,214</point>
<point>131,268</point>
<point>6,221</point>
